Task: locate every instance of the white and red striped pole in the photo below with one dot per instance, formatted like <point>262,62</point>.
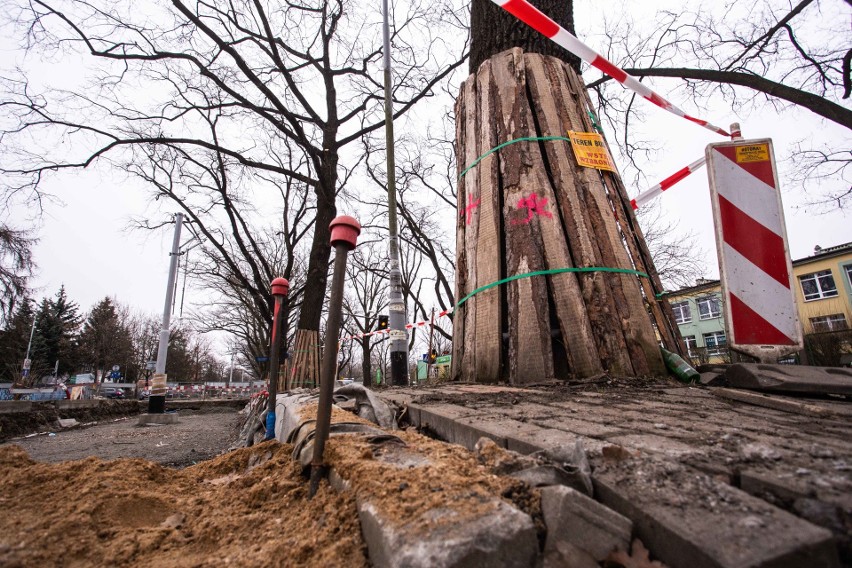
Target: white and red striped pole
<point>540,22</point>
<point>652,192</point>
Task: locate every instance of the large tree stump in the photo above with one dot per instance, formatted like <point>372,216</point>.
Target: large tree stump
<point>531,207</point>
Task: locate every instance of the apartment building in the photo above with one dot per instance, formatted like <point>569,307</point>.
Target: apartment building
<point>823,289</point>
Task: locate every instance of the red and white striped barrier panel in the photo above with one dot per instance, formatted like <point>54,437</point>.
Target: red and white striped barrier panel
<point>751,239</point>
<point>538,21</point>
<point>652,192</point>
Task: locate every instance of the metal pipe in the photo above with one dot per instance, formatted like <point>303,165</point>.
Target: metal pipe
<point>344,232</point>
<point>280,286</point>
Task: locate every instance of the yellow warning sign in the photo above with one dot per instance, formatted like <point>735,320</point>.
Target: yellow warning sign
<point>590,150</point>
<point>752,153</point>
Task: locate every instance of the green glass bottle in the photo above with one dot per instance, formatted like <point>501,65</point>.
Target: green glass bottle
<point>682,370</point>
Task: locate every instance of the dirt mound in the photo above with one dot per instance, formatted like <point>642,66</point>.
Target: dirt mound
<point>246,508</point>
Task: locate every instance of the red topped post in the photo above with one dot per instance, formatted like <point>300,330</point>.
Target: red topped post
<point>280,287</point>
<point>344,237</point>
<point>344,232</point>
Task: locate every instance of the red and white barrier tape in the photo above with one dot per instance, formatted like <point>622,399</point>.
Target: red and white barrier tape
<point>656,190</point>
<point>537,20</point>
<point>407,326</point>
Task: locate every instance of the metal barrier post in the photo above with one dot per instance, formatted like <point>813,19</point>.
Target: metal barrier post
<point>344,236</point>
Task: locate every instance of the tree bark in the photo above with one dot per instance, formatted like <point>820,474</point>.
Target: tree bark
<point>531,207</point>
<point>493,30</point>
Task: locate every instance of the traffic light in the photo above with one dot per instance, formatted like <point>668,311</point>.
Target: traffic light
<point>433,355</point>
<point>383,322</point>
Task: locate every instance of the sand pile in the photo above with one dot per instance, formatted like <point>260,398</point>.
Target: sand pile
<point>245,508</point>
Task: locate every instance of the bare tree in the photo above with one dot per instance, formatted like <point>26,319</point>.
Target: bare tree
<point>16,266</point>
<point>288,87</point>
<point>771,52</point>
<point>677,256</point>
<point>365,300</point>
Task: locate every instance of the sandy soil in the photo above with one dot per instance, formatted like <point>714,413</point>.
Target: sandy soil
<point>245,508</point>
<point>77,500</point>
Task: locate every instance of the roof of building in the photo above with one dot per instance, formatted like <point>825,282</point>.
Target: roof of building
<point>823,253</point>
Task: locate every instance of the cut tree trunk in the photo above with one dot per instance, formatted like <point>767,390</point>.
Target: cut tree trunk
<point>530,207</point>
<point>305,368</point>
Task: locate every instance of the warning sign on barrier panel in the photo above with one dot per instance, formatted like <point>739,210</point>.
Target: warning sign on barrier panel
<point>751,240</point>
<point>590,150</point>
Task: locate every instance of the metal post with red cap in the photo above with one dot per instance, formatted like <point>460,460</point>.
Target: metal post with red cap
<point>280,287</point>
<point>344,237</point>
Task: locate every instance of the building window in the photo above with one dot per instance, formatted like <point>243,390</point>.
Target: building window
<point>709,307</point>
<point>818,285</point>
<point>834,322</point>
<point>691,345</point>
<point>715,342</point>
<point>681,312</point>
<point>848,269</point>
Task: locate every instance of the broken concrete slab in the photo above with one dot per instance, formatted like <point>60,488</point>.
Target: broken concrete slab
<point>789,378</point>
<point>774,402</point>
<point>442,538</point>
<point>824,502</point>
<point>690,519</point>
<point>163,418</point>
<point>717,429</point>
<point>580,529</point>
<point>447,422</point>
<point>66,423</point>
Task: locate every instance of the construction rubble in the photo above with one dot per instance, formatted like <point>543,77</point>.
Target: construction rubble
<point>632,473</point>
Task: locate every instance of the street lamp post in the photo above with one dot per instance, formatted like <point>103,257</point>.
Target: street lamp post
<point>157,403</point>
<point>396,321</point>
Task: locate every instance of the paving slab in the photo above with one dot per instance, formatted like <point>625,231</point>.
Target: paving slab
<point>655,444</point>
<point>711,438</point>
<point>774,402</point>
<point>580,526</point>
<point>591,428</point>
<point>789,378</point>
<point>826,502</point>
<point>691,520</point>
<point>505,537</point>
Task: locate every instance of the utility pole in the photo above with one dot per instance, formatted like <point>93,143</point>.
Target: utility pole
<point>396,321</point>
<point>26,368</point>
<point>157,403</point>
<point>231,374</point>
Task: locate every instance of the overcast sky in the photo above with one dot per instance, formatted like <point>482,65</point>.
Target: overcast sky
<point>87,245</point>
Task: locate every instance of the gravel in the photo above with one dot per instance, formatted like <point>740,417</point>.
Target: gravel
<point>194,438</point>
